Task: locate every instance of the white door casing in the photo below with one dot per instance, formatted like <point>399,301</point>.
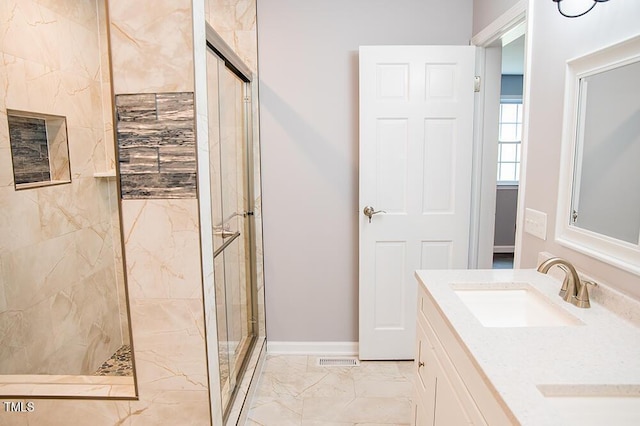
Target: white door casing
<point>416,131</point>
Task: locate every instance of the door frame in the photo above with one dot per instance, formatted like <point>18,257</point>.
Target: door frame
<point>483,191</point>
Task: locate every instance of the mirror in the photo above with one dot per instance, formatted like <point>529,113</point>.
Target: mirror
<point>606,182</point>
<point>600,214</point>
<point>64,327</point>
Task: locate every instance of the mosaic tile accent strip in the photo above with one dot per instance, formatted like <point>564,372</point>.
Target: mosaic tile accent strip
<point>29,149</point>
<point>156,145</point>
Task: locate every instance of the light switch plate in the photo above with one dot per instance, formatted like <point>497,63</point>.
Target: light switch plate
<point>535,223</point>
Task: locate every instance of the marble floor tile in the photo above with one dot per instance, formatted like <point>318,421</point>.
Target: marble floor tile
<point>358,410</point>
<point>294,390</point>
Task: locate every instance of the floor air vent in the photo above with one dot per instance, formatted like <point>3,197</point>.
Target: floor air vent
<point>338,362</point>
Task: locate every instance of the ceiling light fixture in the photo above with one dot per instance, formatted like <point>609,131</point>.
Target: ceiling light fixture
<point>579,14</point>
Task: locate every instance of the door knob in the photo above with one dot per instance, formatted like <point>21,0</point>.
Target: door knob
<point>370,211</point>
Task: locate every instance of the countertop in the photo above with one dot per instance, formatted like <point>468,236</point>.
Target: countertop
<point>603,351</point>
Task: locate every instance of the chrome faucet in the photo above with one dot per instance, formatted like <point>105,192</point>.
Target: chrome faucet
<point>573,289</point>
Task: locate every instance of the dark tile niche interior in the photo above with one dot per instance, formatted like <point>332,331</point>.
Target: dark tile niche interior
<point>39,149</point>
<point>29,149</point>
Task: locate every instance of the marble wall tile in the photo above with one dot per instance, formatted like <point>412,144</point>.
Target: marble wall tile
<point>42,269</point>
<point>161,236</point>
<point>56,241</point>
<point>69,208</point>
<point>58,149</point>
<point>80,12</point>
<point>232,15</point>
<point>75,97</point>
<point>6,168</point>
<point>3,299</point>
<point>161,239</point>
<point>81,53</point>
<point>70,332</point>
<point>235,21</point>
<point>18,204</point>
<point>152,46</point>
<point>87,158</point>
<point>39,45</point>
<point>14,90</point>
<point>170,354</point>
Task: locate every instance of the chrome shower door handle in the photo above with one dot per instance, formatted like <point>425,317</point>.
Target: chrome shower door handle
<point>225,233</point>
<point>370,211</point>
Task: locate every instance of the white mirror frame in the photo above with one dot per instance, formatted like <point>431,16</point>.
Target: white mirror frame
<point>609,250</point>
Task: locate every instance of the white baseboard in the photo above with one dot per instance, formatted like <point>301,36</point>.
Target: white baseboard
<point>312,348</point>
<point>504,249</point>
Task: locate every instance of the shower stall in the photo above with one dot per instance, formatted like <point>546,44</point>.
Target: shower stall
<point>229,218</point>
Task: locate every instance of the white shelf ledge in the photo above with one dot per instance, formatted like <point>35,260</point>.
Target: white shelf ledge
<point>105,175</point>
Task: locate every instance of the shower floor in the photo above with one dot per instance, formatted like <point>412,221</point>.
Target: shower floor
<point>118,365</point>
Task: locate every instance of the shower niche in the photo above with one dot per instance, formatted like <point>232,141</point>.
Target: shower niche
<point>39,149</point>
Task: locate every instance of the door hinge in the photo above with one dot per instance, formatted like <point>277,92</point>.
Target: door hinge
<point>476,83</point>
<point>247,99</point>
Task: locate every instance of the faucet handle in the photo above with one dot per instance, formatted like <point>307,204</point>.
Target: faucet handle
<point>565,281</point>
<point>582,299</point>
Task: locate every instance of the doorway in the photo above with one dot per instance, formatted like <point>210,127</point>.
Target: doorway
<point>510,123</point>
<point>507,29</point>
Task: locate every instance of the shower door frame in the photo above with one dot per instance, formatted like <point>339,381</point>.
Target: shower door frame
<point>217,46</point>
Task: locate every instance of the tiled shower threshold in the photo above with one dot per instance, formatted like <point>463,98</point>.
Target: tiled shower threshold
<point>113,379</point>
<point>38,385</point>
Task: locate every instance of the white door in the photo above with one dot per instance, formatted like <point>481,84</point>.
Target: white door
<point>416,128</point>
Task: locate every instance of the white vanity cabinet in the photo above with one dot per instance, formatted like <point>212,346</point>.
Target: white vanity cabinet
<point>450,391</point>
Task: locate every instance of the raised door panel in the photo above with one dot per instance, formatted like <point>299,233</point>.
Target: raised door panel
<point>449,409</point>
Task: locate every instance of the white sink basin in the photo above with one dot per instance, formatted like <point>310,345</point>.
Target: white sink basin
<point>595,405</point>
<point>516,305</point>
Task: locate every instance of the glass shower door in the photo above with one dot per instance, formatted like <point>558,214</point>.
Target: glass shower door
<point>231,215</point>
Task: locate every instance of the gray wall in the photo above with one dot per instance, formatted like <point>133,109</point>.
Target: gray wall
<point>308,66</point>
<point>506,209</point>
<point>556,40</point>
<point>486,11</point>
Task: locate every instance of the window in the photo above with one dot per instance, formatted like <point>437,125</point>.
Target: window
<point>510,135</point>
